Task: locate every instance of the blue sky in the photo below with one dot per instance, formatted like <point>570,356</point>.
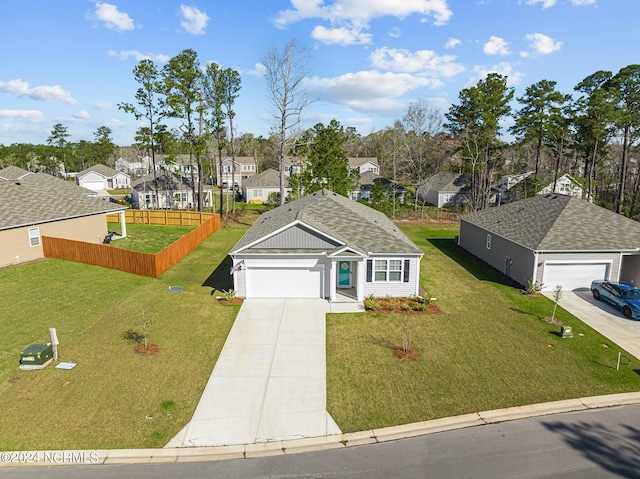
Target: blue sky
<point>71,61</point>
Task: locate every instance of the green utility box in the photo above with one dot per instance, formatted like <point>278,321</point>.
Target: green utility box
<point>36,356</point>
<point>566,332</point>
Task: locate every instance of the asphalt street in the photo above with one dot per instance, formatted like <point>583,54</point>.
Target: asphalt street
<point>598,443</point>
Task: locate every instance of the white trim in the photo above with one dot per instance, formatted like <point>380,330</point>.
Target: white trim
<point>36,237</point>
<point>387,271</point>
<point>346,248</point>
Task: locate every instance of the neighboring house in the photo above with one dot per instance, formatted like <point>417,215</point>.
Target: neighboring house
<point>565,185</point>
<point>555,240</point>
<point>239,170</point>
<point>172,191</point>
<point>293,165</point>
<point>134,168</point>
<point>367,181</point>
<point>256,188</point>
<point>323,244</point>
<point>362,165</point>
<point>444,190</point>
<point>503,190</point>
<point>100,178</point>
<point>39,204</point>
<point>181,165</point>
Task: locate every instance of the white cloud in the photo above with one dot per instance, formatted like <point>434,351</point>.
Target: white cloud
<point>112,18</point>
<point>514,77</point>
<point>340,36</point>
<point>353,16</point>
<point>82,115</point>
<point>125,54</point>
<point>364,89</point>
<point>452,43</point>
<point>43,93</point>
<point>363,10</point>
<point>544,3</point>
<point>579,3</point>
<point>422,61</point>
<point>394,33</point>
<point>194,21</point>
<point>496,46</point>
<point>103,105</point>
<point>30,116</point>
<point>541,44</point>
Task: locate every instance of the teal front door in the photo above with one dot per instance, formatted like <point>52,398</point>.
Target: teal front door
<point>344,274</point>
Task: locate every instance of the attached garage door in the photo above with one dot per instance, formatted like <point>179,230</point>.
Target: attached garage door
<point>573,275</point>
<point>93,185</point>
<point>285,282</point>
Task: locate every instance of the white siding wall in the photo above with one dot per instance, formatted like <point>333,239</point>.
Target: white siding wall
<point>394,288</point>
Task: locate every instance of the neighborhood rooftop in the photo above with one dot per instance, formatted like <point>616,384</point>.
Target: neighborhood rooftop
<point>267,178</point>
<point>556,222</point>
<point>358,226</point>
<point>40,197</point>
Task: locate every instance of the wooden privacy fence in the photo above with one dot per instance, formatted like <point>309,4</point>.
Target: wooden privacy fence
<point>144,264</point>
<point>162,217</point>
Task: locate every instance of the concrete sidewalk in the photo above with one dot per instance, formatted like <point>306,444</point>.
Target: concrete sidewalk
<point>269,383</point>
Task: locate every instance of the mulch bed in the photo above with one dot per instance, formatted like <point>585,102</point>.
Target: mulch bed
<point>231,301</point>
<point>147,350</point>
<point>402,305</point>
<point>411,354</point>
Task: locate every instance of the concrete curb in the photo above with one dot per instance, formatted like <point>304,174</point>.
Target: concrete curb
<point>295,446</point>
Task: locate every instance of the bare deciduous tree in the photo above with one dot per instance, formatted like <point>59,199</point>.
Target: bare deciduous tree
<point>284,70</point>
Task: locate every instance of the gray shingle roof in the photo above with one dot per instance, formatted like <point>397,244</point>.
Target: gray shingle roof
<point>100,169</point>
<point>446,182</point>
<point>269,178</point>
<point>41,198</point>
<point>556,222</point>
<point>166,180</point>
<point>358,226</point>
<point>13,173</point>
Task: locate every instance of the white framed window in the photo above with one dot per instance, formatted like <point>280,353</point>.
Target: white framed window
<point>34,236</point>
<point>387,270</point>
<point>488,241</point>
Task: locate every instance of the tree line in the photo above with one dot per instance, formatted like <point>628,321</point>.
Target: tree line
<point>592,134</point>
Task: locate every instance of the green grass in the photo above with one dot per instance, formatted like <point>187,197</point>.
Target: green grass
<point>114,398</point>
<point>489,348</point>
<point>148,238</point>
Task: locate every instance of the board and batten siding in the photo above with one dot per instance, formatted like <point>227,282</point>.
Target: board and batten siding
<point>296,237</point>
<point>522,260</point>
<point>400,288</point>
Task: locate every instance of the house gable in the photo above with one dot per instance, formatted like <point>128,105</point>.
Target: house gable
<point>296,237</point>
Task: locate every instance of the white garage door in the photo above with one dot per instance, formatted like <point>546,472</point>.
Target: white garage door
<point>573,275</point>
<point>93,185</point>
<point>285,282</point>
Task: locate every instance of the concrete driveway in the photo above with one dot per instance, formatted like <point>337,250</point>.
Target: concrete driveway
<point>269,382</point>
<point>602,317</point>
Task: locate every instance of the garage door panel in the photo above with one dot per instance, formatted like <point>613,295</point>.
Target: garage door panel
<point>573,275</point>
<point>285,282</point>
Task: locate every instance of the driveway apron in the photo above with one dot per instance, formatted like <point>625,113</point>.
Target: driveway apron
<point>269,382</point>
<point>602,317</point>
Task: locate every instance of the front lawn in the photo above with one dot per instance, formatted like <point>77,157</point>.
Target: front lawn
<point>114,398</point>
<point>489,348</point>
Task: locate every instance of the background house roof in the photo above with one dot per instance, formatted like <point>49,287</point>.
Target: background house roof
<point>243,160</point>
<point>358,226</point>
<point>164,180</point>
<point>445,181</point>
<point>41,198</point>
<point>357,162</point>
<point>101,170</point>
<point>369,178</point>
<point>13,173</point>
<point>269,178</point>
<point>556,222</point>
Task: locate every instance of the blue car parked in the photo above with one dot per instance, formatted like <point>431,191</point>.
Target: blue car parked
<point>624,296</point>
